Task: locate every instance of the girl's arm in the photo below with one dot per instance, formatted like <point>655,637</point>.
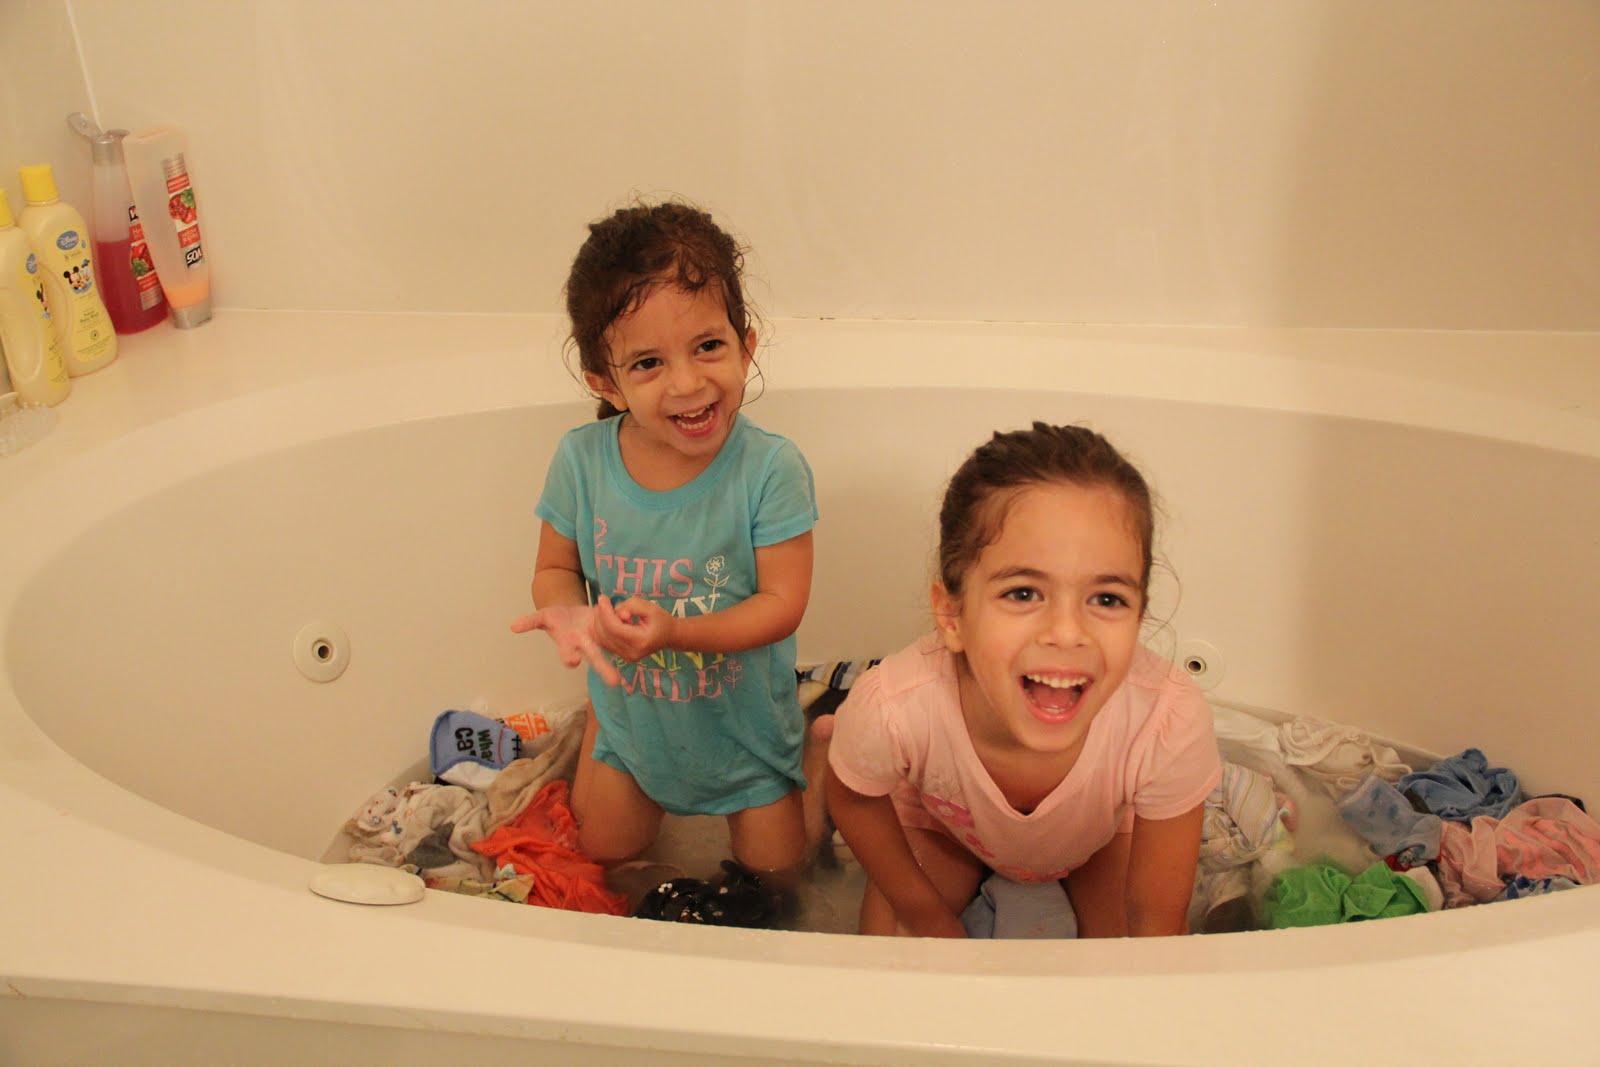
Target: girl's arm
<point>557,571</point>
<point>873,832</point>
<point>1099,890</point>
<point>637,627</point>
<point>1161,866</point>
<point>1139,883</point>
<point>564,612</point>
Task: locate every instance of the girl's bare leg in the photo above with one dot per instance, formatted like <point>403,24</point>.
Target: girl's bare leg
<point>616,820</point>
<point>770,841</point>
<point>814,764</point>
<point>952,869</point>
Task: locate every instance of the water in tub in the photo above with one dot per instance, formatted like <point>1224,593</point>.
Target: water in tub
<point>829,899</point>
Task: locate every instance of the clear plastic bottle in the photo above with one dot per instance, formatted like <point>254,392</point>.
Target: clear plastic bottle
<point>60,238</point>
<point>167,203</point>
<point>32,349</point>
<point>128,281</point>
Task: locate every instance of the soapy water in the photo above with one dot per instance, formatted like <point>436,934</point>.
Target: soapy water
<point>829,896</point>
<point>22,426</point>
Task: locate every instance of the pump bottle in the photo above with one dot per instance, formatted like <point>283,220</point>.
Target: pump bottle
<point>60,239</point>
<point>128,281</point>
<point>32,349</point>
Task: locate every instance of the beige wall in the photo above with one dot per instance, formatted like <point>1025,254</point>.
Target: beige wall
<point>1421,164</point>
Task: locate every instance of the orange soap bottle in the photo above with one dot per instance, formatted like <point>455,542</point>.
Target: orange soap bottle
<point>170,210</point>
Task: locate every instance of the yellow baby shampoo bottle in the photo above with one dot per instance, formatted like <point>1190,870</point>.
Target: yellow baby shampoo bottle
<point>32,349</point>
<point>60,239</point>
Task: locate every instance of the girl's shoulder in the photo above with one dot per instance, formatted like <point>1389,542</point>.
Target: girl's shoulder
<point>761,446</point>
<point>1157,694</point>
<point>1153,672</point>
<point>751,430</point>
<point>588,444</point>
<point>909,697</point>
<point>922,674</point>
<point>590,436</point>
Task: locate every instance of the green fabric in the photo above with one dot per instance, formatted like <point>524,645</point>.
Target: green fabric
<point>1307,896</point>
<point>1321,894</point>
<point>1380,893</point>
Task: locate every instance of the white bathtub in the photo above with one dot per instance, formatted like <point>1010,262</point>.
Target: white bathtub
<point>1415,557</point>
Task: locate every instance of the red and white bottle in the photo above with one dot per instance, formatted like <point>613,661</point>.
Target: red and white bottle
<point>128,282</point>
<point>165,194</point>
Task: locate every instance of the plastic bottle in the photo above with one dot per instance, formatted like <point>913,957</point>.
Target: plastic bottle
<point>32,349</point>
<point>167,204</point>
<point>128,281</point>
<point>60,239</point>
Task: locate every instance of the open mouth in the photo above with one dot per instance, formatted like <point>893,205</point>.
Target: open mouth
<point>696,423</point>
<point>1054,698</point>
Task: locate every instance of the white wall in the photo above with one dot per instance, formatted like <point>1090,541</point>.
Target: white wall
<point>1414,164</point>
<point>41,82</point>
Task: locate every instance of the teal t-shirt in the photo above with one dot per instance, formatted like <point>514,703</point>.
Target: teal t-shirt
<point>701,732</point>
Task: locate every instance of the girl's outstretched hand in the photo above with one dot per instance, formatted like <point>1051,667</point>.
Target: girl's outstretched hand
<point>633,629</point>
<point>573,628</point>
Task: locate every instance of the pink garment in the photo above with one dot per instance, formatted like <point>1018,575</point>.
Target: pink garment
<point>1545,837</point>
<point>1149,752</point>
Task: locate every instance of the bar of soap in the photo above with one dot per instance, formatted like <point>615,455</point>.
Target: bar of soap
<point>366,883</point>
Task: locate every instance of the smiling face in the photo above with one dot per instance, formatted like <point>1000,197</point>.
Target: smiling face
<point>1047,619</point>
<point>678,371</point>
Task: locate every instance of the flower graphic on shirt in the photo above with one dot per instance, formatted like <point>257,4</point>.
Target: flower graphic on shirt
<point>978,847</point>
<point>731,671</point>
<point>947,810</point>
<point>715,579</point>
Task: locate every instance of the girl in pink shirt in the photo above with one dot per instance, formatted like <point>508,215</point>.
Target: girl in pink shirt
<point>1031,733</point>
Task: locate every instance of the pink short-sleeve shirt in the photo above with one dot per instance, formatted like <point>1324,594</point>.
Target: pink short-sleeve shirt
<point>1149,752</point>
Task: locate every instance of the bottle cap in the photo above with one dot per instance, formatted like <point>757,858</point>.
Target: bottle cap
<point>113,139</point>
<point>105,145</point>
<point>193,315</point>
<point>107,148</point>
<point>38,183</point>
<point>7,220</point>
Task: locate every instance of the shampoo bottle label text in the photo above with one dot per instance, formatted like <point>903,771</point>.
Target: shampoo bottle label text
<point>180,205</point>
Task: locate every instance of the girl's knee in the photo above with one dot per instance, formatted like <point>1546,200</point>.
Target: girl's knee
<point>770,841</point>
<point>616,819</point>
<point>608,848</point>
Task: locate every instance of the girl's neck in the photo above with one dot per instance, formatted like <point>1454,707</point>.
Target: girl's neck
<point>1023,776</point>
<point>655,466</point>
<point>1026,778</point>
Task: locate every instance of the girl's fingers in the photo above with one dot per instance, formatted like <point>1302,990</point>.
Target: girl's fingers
<point>604,667</point>
<point>575,644</point>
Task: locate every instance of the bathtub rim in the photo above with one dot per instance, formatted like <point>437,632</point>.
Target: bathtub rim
<point>68,805</point>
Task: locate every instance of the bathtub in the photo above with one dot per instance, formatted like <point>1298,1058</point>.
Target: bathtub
<point>1412,551</point>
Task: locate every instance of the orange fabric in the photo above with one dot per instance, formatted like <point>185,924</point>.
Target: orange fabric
<point>542,842</point>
